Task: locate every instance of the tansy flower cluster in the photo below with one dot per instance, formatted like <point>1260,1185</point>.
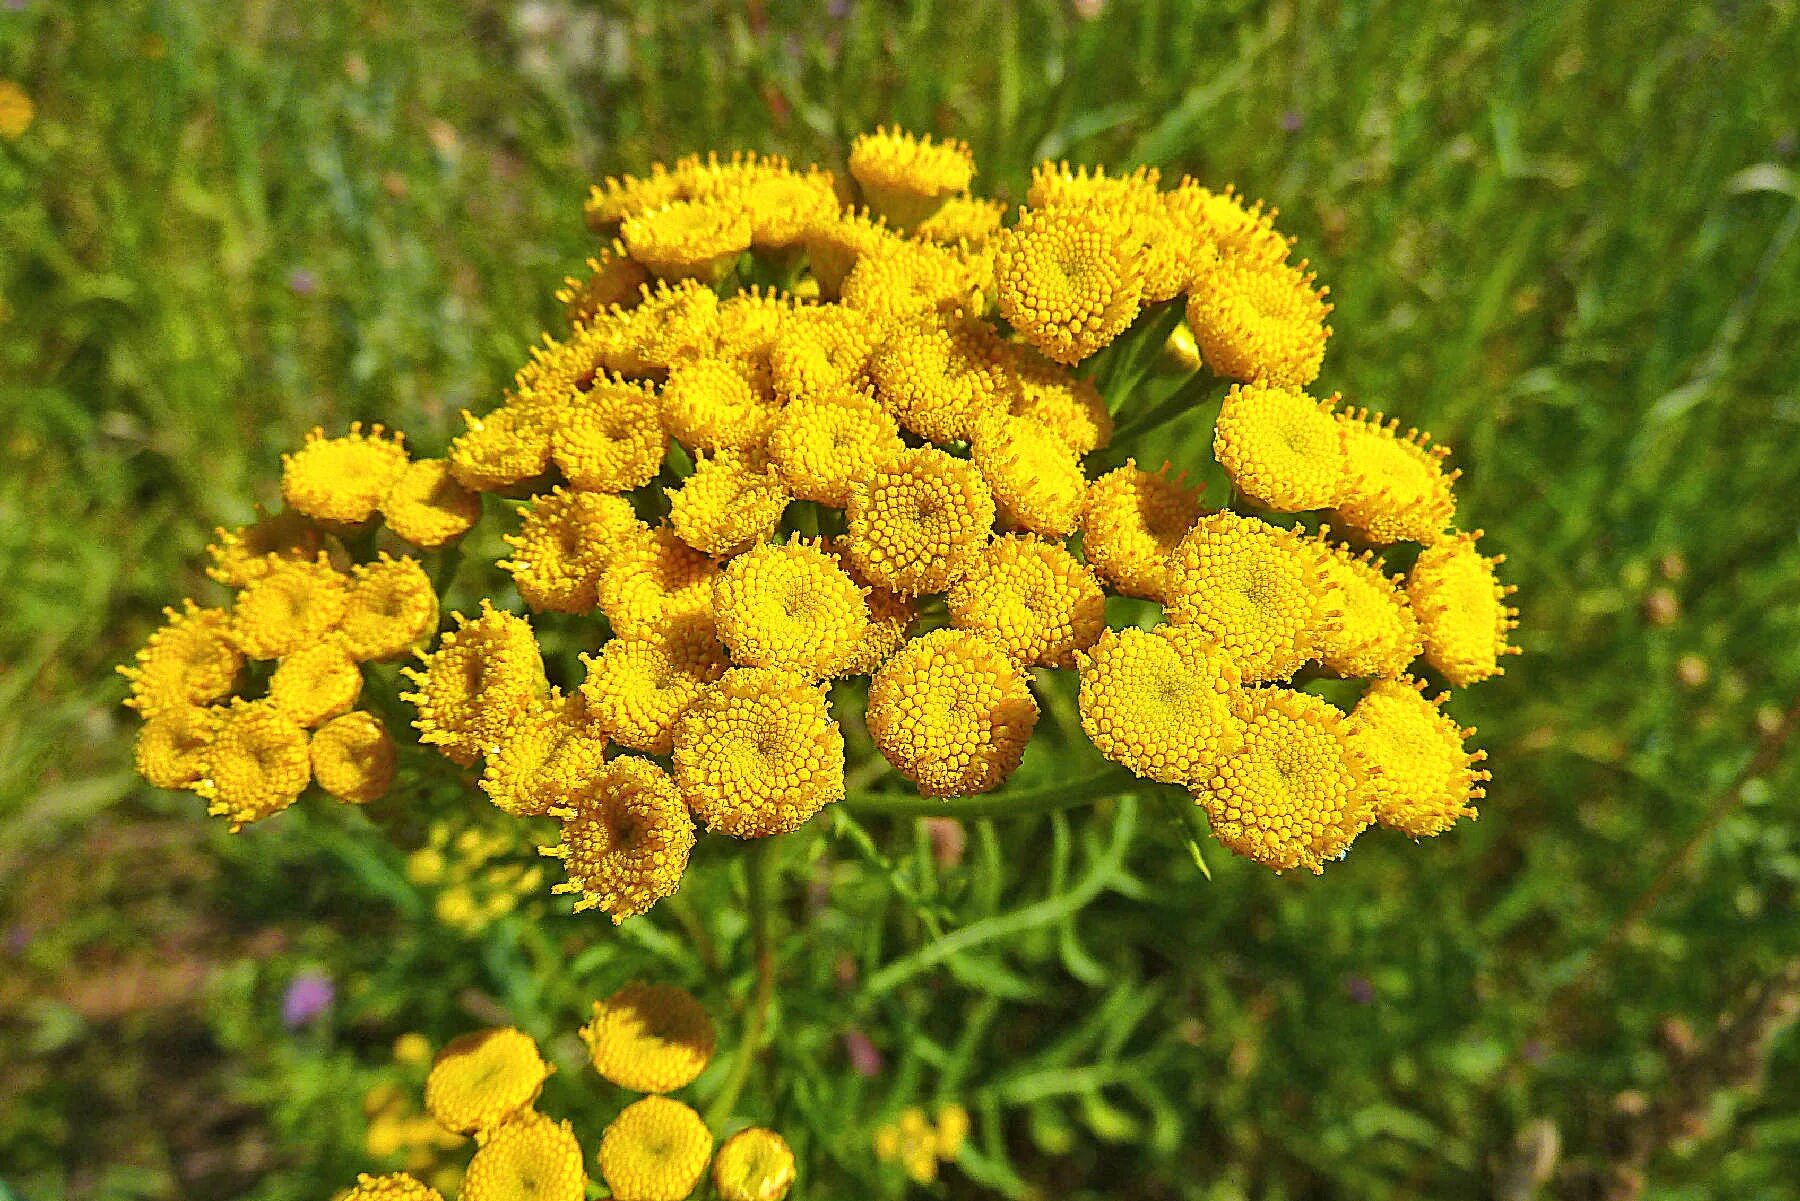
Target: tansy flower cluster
<point>814,435</point>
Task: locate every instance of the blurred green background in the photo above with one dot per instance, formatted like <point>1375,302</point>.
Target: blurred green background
<point>1562,235</point>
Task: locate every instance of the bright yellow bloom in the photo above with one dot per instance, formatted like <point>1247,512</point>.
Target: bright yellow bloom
<point>1396,488</point>
<point>241,555</point>
<point>755,1164</point>
<point>717,404</point>
<point>342,479</point>
<point>353,758</point>
<point>1462,610</point>
<point>656,1150</point>
<point>783,206</point>
<point>1296,792</point>
<point>625,839</point>
<point>1071,406</point>
<point>759,753</point>
<point>1223,222</point>
<point>396,1187</point>
<point>653,582</point>
<point>650,1038</point>
<point>638,688</point>
<point>256,763</point>
<point>544,761</point>
<point>565,541</point>
<point>485,677</point>
<point>835,244</point>
<point>689,239</point>
<point>952,713</point>
<point>16,111</point>
<point>917,522</point>
<point>1256,589</point>
<point>389,610</point>
<point>1030,598</point>
<point>1425,779</point>
<point>482,1078</point>
<point>952,1129</point>
<point>612,440</point>
<point>506,447</point>
<point>1034,475</point>
<point>292,605</point>
<point>792,607</point>
<point>1129,208</point>
<point>896,279</point>
<point>750,324</point>
<point>1160,702</point>
<point>316,683</point>
<point>1377,634</point>
<point>971,220</point>
<point>617,197</point>
<point>1281,448</point>
<point>912,1142</point>
<point>731,501</point>
<point>427,507</point>
<point>171,746</point>
<point>823,447</point>
<point>672,323</point>
<point>1080,186</point>
<point>1067,281</point>
<point>890,619</point>
<point>1259,321</point>
<point>529,1158</point>
<point>907,179</point>
<point>613,278</point>
<point>191,659</point>
<point>941,375</point>
<point>1131,522</point>
<point>822,353</point>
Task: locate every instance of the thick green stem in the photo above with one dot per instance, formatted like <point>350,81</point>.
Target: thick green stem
<point>759,868</point>
<point>1048,798</point>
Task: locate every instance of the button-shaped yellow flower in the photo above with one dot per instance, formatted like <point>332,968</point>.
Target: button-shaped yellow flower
<point>1160,703</point>
<point>821,352</point>
<point>395,1187</point>
<point>613,278</point>
<point>1259,320</point>
<point>353,758</point>
<point>427,507</point>
<point>544,761</point>
<point>1223,223</point>
<point>906,179</point>
<point>688,239</point>
<point>171,746</point>
<point>970,220</point>
<point>485,677</point>
<point>1068,281</point>
<point>1131,522</point>
<point>241,555</point>
<point>390,609</point>
<point>342,479</point>
<point>1071,406</point>
<point>316,683</point>
<point>1396,488</point>
<point>918,521</point>
<point>528,1158</point>
<point>835,244</point>
<point>637,688</point>
<point>503,448</point>
<point>759,753</point>
<point>1030,598</point>
<point>482,1078</point>
<point>790,606</point>
<point>755,1164</point>
<point>654,582</point>
<point>565,540</point>
<point>256,764</point>
<point>718,404</point>
<point>1034,475</point>
<point>611,440</point>
<point>291,605</point>
<point>1257,590</point>
<point>1462,610</point>
<point>1425,779</point>
<point>625,839</point>
<point>952,713</point>
<point>191,659</point>
<point>619,196</point>
<point>941,374</point>
<point>1376,633</point>
<point>650,1038</point>
<point>823,447</point>
<point>656,1150</point>
<point>1281,448</point>
<point>731,501</point>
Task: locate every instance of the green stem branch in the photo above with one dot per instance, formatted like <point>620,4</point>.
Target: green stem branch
<point>759,868</point>
<point>1048,798</point>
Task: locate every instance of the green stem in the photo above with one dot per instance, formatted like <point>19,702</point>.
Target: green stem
<point>759,869</point>
<point>1048,798</point>
<point>1179,402</point>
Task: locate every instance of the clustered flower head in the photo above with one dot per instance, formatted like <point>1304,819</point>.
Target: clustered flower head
<point>812,436</point>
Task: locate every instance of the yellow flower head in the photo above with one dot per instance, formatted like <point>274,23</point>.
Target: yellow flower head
<point>1424,778</point>
<point>353,758</point>
<point>656,1150</point>
<point>1131,522</point>
<point>952,1129</point>
<point>564,544</point>
<point>1034,475</point>
<point>759,754</point>
<point>750,324</point>
<point>1377,634</point>
<point>427,507</point>
<point>396,1187</point>
<point>1396,488</point>
<point>625,839</point>
<point>755,1164</point>
<point>1160,702</point>
<point>1256,589</point>
<point>717,404</point>
<point>1080,186</point>
<point>617,197</point>
<point>913,1142</point>
<point>1071,407</point>
<point>890,619</point>
<point>650,1038</point>
<point>1281,448</point>
<point>191,659</point>
<point>918,521</point>
<point>256,763</point>
<point>171,746</point>
<point>783,206</point>
<point>952,713</point>
<point>293,604</point>
<point>529,1158</point>
<point>316,683</point>
<point>243,554</point>
<point>790,606</point>
<point>1161,251</point>
<point>482,1078</point>
<point>506,447</point>
<point>390,609</point>
<point>1296,792</point>
<point>342,479</point>
<point>970,220</point>
<point>822,353</point>
<point>485,677</point>
<point>941,375</point>
<point>1067,281</point>
<point>613,278</point>
<point>611,440</point>
<point>638,688</point>
<point>1223,222</point>
<point>896,280</point>
<point>907,179</point>
<point>823,447</point>
<point>835,244</point>
<point>689,239</point>
<point>1259,320</point>
<point>542,762</point>
<point>731,501</point>
<point>672,323</point>
<point>1030,598</point>
<point>654,581</point>
<point>16,110</point>
<point>1462,609</point>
